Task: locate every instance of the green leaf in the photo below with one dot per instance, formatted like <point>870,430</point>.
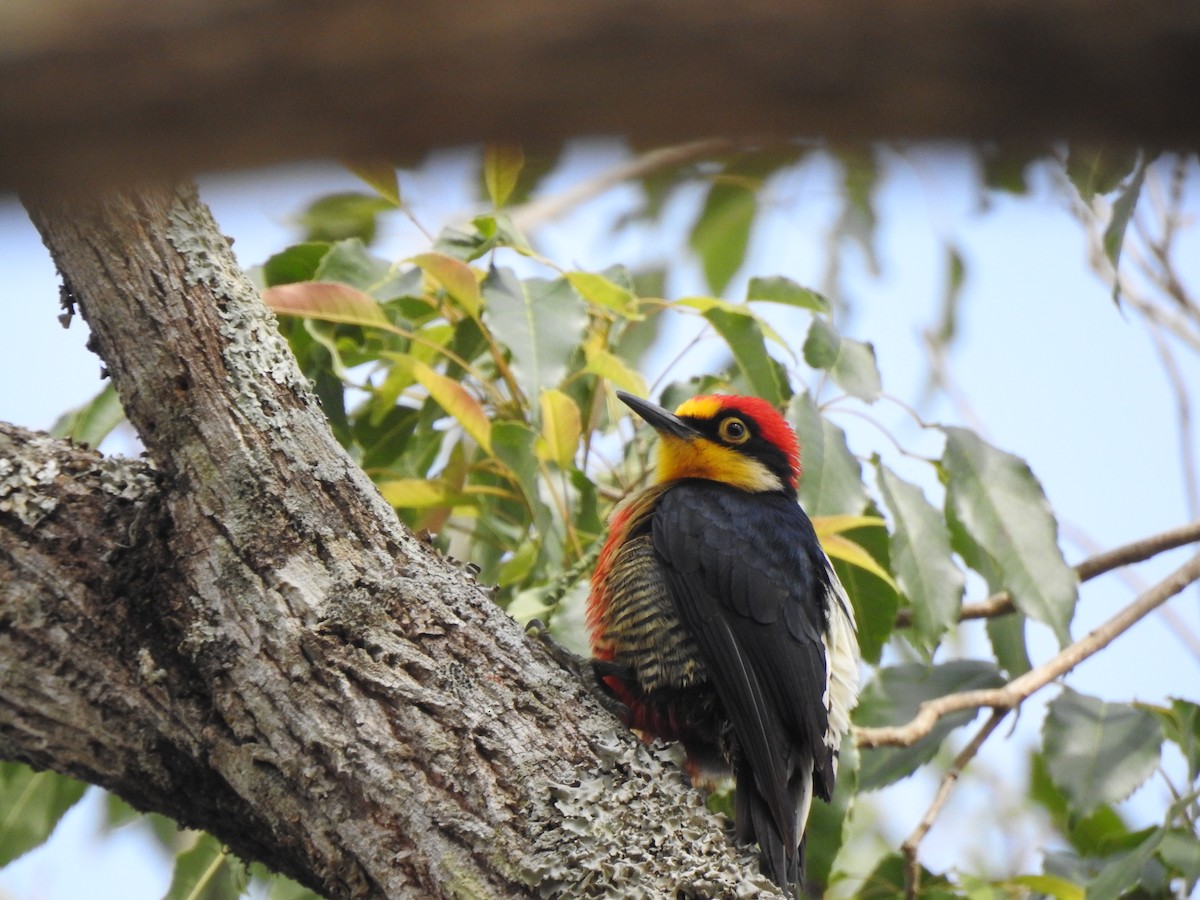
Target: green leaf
<point>514,571</point>
<point>722,231</point>
<point>1181,726</point>
<point>1099,170</point>
<point>404,291</point>
<point>850,363</point>
<point>1122,213</point>
<point>1002,525</point>
<point>31,803</point>
<point>921,559</point>
<point>513,444</point>
<point>540,323</point>
<point>562,427</point>
<point>1180,852</point>
<point>327,301</point>
<point>600,291</point>
<point>1122,873</point>
<point>349,262</point>
<point>502,165</point>
<point>1004,168</point>
<point>297,263</point>
<point>858,219</point>
<point>886,882</point>
<point>338,217</point>
<point>500,231</point>
<point>1007,634</point>
<point>894,696</point>
<point>455,276</point>
<point>704,305</point>
<point>1098,752</point>
<point>452,397</point>
<point>461,243</point>
<point>381,176</point>
<point>956,270</point>
<point>831,483</point>
<point>91,423</point>
<point>207,872</point>
<point>778,289</point>
<point>1095,834</point>
<point>742,333</point>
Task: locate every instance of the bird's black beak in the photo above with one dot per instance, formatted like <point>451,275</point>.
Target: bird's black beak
<point>658,418</point>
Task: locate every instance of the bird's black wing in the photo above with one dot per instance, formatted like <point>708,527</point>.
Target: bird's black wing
<point>750,582</point>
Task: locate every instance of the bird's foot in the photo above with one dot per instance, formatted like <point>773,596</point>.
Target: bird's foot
<point>590,672</point>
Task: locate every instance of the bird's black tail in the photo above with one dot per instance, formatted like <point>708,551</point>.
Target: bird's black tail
<point>782,857</point>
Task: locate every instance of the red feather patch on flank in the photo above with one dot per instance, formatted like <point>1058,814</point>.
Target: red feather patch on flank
<point>773,426</point>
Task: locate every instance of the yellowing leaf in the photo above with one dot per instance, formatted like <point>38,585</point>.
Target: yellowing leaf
<point>379,175</point>
<point>561,427</point>
<point>601,291</point>
<point>828,525</point>
<point>839,547</point>
<point>419,493</point>
<point>455,276</point>
<point>502,165</point>
<point>1051,886</point>
<point>704,304</point>
<point>452,397</point>
<point>328,301</point>
<point>608,366</point>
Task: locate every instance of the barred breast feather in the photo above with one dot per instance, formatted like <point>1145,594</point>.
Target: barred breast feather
<point>642,620</point>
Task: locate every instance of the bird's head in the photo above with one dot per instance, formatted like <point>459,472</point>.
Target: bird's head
<point>741,441</point>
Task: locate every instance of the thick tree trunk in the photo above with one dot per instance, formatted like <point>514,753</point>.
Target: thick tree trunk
<point>239,633</point>
<point>110,89</point>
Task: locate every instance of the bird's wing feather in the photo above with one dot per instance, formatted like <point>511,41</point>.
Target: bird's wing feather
<point>750,594</point>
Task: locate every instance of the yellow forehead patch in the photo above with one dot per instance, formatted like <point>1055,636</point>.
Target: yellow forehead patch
<point>700,407</point>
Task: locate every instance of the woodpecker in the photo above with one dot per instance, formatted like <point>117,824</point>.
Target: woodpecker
<point>717,620</point>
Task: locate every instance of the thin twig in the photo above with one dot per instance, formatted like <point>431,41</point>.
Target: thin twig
<point>536,213</point>
<point>1001,603</point>
<point>1017,690</point>
<point>1178,627</point>
<point>912,873</point>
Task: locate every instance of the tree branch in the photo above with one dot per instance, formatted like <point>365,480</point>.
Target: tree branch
<point>912,844</point>
<point>1001,604</point>
<point>1013,693</point>
<point>117,89</point>
<point>272,657</point>
<point>1138,551</point>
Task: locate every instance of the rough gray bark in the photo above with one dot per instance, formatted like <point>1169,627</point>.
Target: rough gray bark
<point>109,89</point>
<point>240,634</point>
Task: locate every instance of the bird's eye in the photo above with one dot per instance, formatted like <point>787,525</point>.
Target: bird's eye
<point>734,431</point>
